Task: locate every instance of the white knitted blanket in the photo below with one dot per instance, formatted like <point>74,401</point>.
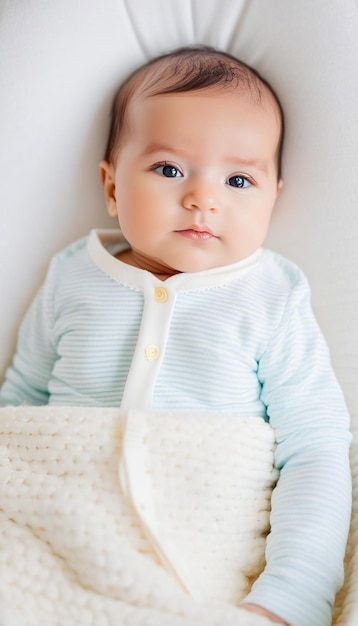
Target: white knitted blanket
<point>143,519</point>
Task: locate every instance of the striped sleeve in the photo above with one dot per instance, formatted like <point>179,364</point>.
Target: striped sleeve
<point>312,501</point>
<point>26,380</point>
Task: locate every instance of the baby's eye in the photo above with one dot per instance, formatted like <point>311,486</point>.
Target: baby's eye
<point>238,181</point>
<point>169,171</point>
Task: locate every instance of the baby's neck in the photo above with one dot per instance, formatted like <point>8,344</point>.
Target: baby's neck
<point>158,269</point>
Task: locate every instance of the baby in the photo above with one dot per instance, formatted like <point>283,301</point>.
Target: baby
<point>184,309</point>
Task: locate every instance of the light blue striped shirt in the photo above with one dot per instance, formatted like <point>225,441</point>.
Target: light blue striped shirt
<point>240,338</point>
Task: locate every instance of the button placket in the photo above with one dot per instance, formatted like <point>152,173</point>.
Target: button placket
<point>152,351</point>
<point>150,348</point>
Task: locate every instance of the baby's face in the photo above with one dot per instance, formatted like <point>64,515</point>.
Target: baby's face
<point>195,181</point>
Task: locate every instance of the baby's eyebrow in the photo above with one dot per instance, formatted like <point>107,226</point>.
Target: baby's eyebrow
<point>258,164</point>
<point>162,147</point>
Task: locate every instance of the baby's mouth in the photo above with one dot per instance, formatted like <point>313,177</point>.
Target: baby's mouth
<point>197,233</point>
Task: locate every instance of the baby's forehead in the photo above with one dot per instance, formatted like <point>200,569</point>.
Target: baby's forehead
<point>218,94</point>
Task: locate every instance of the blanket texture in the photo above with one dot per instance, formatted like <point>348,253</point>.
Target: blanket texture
<point>137,519</point>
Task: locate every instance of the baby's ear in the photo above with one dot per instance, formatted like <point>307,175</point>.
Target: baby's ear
<point>107,176</point>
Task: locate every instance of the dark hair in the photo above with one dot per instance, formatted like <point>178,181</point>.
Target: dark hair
<point>186,69</point>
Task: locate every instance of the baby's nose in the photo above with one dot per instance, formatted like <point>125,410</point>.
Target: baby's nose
<point>201,196</point>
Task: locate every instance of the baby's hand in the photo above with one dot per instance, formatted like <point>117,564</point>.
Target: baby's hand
<point>255,608</point>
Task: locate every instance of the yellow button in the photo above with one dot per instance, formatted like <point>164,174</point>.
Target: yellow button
<point>152,352</point>
<point>161,294</point>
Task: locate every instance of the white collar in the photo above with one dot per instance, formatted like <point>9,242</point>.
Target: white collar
<point>101,241</point>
